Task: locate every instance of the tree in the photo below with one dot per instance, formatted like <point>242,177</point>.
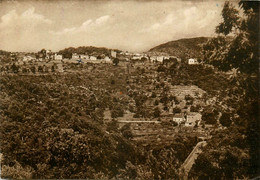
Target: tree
<point>209,117</point>
<point>153,95</point>
<point>15,68</point>
<point>126,131</point>
<point>156,102</point>
<point>225,119</point>
<point>33,69</point>
<point>99,57</point>
<point>176,110</point>
<point>115,61</point>
<point>40,69</point>
<point>143,59</point>
<point>117,111</point>
<point>240,50</point>
<point>112,81</point>
<point>52,68</point>
<point>113,126</point>
<point>42,53</point>
<point>237,46</point>
<point>195,108</point>
<point>24,70</point>
<point>230,19</point>
<point>156,112</point>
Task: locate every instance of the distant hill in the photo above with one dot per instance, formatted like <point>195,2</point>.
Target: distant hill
<point>2,52</point>
<point>90,50</point>
<point>183,48</point>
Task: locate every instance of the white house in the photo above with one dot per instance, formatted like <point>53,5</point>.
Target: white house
<point>153,58</point>
<point>75,56</point>
<point>192,61</point>
<point>27,58</point>
<point>83,56</point>
<point>160,58</point>
<point>58,57</point>
<point>136,57</point>
<point>113,54</point>
<point>193,118</point>
<point>178,118</point>
<point>93,58</point>
<point>107,58</point>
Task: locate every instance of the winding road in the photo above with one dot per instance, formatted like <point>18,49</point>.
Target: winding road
<point>187,165</point>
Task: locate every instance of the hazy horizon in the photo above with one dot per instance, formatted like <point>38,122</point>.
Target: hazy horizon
<point>136,26</point>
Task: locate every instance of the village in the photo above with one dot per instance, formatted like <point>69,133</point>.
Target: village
<point>48,61</point>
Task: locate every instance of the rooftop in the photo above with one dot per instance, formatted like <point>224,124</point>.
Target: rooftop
<point>178,116</point>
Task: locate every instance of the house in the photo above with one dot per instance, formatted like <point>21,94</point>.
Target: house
<point>107,58</point>
<point>113,54</point>
<point>83,56</point>
<point>136,57</point>
<point>75,56</point>
<point>192,61</point>
<point>192,119</point>
<point>58,57</point>
<point>93,58</point>
<point>153,58</point>
<point>27,58</point>
<point>178,118</point>
<point>160,58</point>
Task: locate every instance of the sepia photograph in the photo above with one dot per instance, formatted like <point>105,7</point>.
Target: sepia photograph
<point>129,89</point>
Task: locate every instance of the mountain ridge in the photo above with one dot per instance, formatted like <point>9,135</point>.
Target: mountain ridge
<point>183,48</point>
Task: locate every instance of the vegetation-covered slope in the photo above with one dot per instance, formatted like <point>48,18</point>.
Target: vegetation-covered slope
<point>4,52</point>
<point>190,47</point>
<point>52,127</point>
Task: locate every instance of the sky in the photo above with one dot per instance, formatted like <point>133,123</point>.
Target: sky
<point>135,26</point>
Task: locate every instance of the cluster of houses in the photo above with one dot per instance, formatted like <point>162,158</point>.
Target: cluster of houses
<point>190,119</point>
<point>40,56</point>
<point>48,55</point>
<point>151,57</point>
<point>82,57</point>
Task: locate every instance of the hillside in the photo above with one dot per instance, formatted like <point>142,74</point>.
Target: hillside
<point>183,48</point>
<point>2,52</point>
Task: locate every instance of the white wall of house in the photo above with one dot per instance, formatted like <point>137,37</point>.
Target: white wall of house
<point>83,56</point>
<point>152,58</point>
<point>27,58</point>
<point>93,58</point>
<point>58,57</point>
<point>136,57</point>
<point>192,61</point>
<point>160,58</point>
<point>107,58</point>
<point>177,119</point>
<point>193,119</point>
<point>113,54</point>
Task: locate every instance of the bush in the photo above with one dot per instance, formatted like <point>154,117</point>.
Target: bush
<point>156,112</point>
<point>225,119</point>
<point>16,172</point>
